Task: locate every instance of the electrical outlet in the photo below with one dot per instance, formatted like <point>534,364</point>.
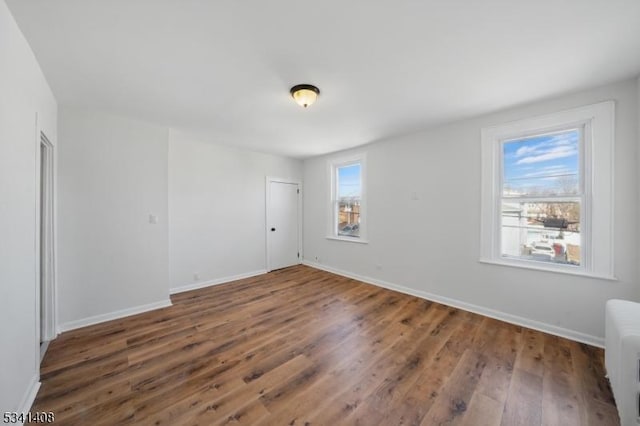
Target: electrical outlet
<point>196,276</point>
<point>317,258</point>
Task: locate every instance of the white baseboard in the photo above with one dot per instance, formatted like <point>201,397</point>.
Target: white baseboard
<point>30,395</point>
<point>217,281</point>
<point>502,316</point>
<point>72,325</point>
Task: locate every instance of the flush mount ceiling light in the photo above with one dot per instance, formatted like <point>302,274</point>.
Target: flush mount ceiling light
<point>305,94</point>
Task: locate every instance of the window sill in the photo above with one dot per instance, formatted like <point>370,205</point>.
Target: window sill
<point>542,268</point>
<point>348,240</point>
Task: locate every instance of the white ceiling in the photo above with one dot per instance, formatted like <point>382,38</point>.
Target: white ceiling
<point>384,67</point>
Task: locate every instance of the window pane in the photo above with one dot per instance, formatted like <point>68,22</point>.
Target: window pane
<point>349,195</point>
<point>542,165</point>
<point>546,232</point>
<point>349,218</point>
<point>349,186</point>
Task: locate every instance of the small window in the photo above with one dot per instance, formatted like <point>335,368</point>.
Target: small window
<point>349,188</point>
<point>547,192</point>
<point>347,200</point>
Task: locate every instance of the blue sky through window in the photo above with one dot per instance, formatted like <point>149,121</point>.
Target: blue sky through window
<point>349,181</point>
<point>540,165</point>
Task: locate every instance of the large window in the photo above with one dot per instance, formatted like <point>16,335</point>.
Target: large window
<point>547,192</point>
<point>347,200</point>
<point>541,197</point>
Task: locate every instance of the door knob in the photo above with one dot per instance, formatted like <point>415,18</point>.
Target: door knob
<point>273,229</point>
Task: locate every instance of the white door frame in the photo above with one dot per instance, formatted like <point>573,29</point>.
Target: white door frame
<point>45,268</point>
<point>270,179</point>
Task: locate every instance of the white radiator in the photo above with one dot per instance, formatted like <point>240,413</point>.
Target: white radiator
<point>622,357</point>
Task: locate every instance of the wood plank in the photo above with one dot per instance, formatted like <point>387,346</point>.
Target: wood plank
<point>561,397</point>
<point>524,403</point>
<point>451,404</point>
<point>596,405</point>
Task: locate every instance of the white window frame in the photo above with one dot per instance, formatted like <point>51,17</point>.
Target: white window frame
<point>333,165</point>
<point>597,125</point>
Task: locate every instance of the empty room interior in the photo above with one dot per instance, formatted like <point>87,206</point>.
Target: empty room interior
<point>320,213</point>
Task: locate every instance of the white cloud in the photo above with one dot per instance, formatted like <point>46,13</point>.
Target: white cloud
<point>549,170</point>
<point>554,153</point>
<point>524,150</point>
<point>568,140</point>
<point>564,139</point>
<point>556,179</point>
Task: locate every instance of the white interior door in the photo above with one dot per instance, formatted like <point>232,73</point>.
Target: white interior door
<point>282,224</point>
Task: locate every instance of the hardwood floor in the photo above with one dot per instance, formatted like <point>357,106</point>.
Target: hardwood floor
<point>304,347</point>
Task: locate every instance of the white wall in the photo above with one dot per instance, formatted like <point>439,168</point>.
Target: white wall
<point>112,174</point>
<point>217,209</point>
<point>24,92</point>
<point>431,245</point>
